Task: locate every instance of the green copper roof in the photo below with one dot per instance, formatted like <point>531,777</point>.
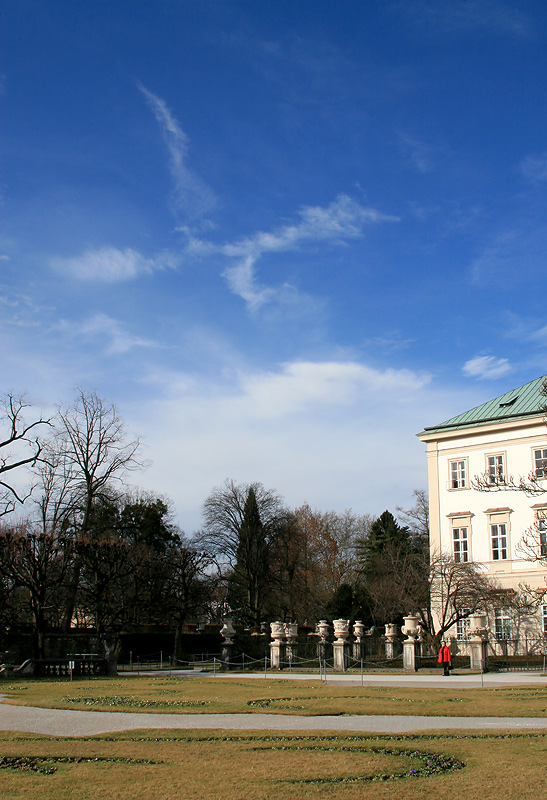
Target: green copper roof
<point>526,401</point>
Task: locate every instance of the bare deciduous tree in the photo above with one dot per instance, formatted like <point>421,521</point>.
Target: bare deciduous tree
<point>457,589</point>
<point>20,446</point>
<point>36,560</point>
<point>94,456</point>
<point>416,519</point>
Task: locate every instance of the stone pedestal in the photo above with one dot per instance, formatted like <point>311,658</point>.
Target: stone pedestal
<point>391,641</point>
<point>477,654</point>
<point>411,645</point>
<point>340,646</point>
<point>411,655</point>
<point>109,648</point>
<point>478,641</point>
<point>277,646</point>
<point>227,652</point>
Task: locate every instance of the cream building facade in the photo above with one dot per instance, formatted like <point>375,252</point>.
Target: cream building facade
<point>476,461</point>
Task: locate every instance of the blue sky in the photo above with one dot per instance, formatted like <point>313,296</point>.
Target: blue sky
<point>282,237</point>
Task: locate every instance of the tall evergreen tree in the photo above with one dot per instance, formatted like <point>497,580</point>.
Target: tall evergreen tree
<point>394,568</point>
<point>250,575</point>
<point>384,532</point>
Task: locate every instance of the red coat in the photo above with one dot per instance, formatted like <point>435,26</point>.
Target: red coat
<point>444,655</point>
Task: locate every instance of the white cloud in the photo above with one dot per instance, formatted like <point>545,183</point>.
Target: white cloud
<point>304,384</point>
<point>342,220</point>
<point>116,339</point>
<point>486,367</point>
<point>333,434</point>
<point>262,428</point>
<point>192,196</point>
<point>111,265</point>
<point>106,334</point>
<point>241,280</point>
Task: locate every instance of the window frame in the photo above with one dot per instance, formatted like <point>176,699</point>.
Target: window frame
<point>495,475</point>
<point>462,629</point>
<point>536,470</point>
<point>503,624</point>
<point>499,548</point>
<point>463,540</point>
<point>541,527</point>
<point>458,520</point>
<point>462,483</point>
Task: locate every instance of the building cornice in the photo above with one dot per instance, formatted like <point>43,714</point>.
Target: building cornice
<point>483,429</point>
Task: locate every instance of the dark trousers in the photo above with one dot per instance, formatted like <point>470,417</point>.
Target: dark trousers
<point>446,668</point>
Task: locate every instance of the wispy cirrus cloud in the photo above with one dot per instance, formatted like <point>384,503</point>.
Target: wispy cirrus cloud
<point>487,368</point>
<point>108,332</point>
<point>534,167</point>
<point>193,198</point>
<point>418,153</point>
<point>111,265</point>
<point>342,220</point>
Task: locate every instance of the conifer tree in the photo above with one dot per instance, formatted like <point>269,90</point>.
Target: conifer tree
<point>252,562</point>
<point>385,532</point>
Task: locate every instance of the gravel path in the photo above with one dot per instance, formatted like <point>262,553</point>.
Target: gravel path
<point>57,722</point>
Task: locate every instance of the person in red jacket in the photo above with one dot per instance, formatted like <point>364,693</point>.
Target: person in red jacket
<point>445,657</point>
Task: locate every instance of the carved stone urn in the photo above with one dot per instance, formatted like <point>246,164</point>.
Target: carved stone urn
<point>323,630</point>
<point>291,632</point>
<point>341,630</point>
<point>478,626</point>
<point>227,631</point>
<point>391,631</point>
<point>358,631</point>
<point>278,631</point>
<point>411,628</point>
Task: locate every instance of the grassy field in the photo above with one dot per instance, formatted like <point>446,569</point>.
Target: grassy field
<point>206,695</point>
<point>207,766</point>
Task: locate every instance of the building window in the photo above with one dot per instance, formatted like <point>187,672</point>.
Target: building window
<point>462,629</point>
<point>498,535</point>
<point>460,544</point>
<point>540,463</point>
<point>542,535</point>
<point>495,468</point>
<point>502,619</point>
<point>458,474</point>
<point>544,617</point>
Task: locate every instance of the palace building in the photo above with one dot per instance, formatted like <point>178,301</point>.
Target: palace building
<point>487,474</point>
